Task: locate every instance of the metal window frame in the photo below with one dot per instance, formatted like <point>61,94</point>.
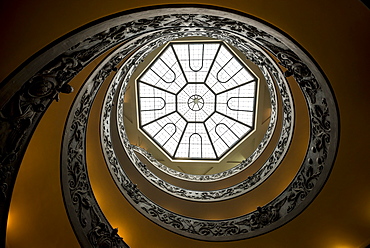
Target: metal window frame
<point>170,46</point>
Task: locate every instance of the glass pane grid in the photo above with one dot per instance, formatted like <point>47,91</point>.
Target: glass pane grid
<point>154,103</point>
<point>150,77</point>
<point>194,143</point>
<point>195,59</point>
<point>197,100</point>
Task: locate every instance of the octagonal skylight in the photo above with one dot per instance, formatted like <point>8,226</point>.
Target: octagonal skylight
<point>196,100</point>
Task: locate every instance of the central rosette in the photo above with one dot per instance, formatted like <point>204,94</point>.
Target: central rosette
<point>196,102</point>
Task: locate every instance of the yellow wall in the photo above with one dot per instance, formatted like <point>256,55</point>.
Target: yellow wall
<point>335,33</point>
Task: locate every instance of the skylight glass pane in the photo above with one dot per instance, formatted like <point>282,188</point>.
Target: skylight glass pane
<point>224,132</point>
<point>238,103</point>
<point>154,103</point>
<point>167,131</point>
<point>197,100</point>
<point>196,59</point>
<point>165,73</point>
<point>227,72</point>
<point>195,143</point>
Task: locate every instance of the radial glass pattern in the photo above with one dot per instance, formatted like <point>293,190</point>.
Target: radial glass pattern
<point>196,100</point>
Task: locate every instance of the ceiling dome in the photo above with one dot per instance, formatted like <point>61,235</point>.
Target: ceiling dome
<point>260,44</point>
<point>214,97</point>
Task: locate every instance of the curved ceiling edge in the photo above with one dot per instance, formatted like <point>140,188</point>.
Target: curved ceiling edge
<point>40,81</point>
<point>91,227</point>
<point>312,174</point>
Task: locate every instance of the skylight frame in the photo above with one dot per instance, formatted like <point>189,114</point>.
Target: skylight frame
<point>253,79</point>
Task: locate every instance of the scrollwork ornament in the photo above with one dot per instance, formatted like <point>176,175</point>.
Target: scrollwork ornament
<point>23,107</point>
<point>101,235</point>
<point>236,169</point>
<point>96,230</point>
<point>19,116</point>
<point>216,195</point>
<point>272,213</point>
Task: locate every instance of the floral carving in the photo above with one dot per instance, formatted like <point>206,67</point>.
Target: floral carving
<point>101,235</point>
<point>78,190</point>
<point>17,119</point>
<point>261,218</point>
<point>300,72</point>
<point>19,116</point>
<point>246,224</point>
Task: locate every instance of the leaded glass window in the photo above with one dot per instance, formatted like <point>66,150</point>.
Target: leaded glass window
<point>197,100</point>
